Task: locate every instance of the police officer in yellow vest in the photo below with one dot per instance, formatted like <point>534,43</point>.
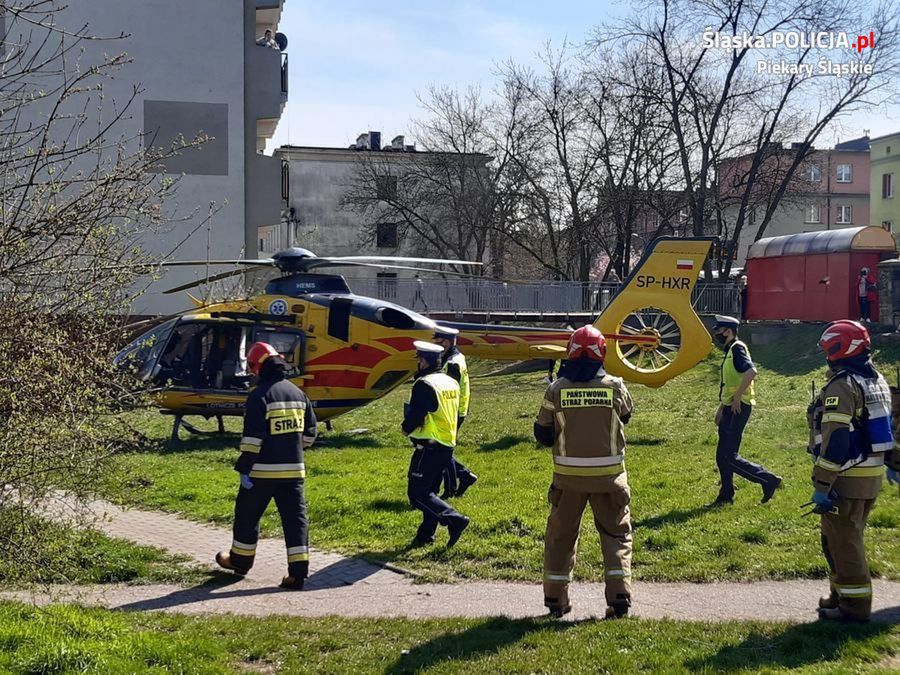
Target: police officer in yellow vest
<point>430,420</point>
<point>582,418</point>
<point>454,364</point>
<point>736,401</point>
<point>851,441</point>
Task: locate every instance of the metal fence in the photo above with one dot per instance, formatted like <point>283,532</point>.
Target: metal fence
<point>541,297</point>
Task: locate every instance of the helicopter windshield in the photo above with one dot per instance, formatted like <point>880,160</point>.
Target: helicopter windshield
<point>140,355</point>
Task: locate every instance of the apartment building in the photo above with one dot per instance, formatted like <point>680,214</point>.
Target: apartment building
<point>198,70</point>
<point>885,171</point>
<point>832,191</point>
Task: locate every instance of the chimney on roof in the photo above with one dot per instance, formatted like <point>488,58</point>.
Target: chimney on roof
<point>411,148</point>
<point>362,142</point>
<point>397,143</point>
<point>374,140</point>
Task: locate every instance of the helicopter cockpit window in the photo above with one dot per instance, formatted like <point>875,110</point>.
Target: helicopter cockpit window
<point>287,343</point>
<point>140,355</point>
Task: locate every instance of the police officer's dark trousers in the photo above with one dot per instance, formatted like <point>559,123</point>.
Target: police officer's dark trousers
<point>731,431</point>
<point>426,471</point>
<point>248,510</point>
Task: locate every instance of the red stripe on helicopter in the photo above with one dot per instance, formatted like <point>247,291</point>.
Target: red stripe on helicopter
<point>401,344</point>
<point>339,378</point>
<point>361,355</point>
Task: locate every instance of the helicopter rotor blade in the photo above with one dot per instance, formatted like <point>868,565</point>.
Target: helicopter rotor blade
<point>401,259</point>
<point>206,280</point>
<point>397,267</point>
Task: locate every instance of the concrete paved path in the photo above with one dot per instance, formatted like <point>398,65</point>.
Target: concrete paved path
<point>350,587</point>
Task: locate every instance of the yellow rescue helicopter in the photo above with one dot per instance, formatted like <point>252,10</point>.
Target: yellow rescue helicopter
<point>348,350</point>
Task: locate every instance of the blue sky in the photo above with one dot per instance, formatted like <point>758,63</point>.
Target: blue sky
<point>356,65</point>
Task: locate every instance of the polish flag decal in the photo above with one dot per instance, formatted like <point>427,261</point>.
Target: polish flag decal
<point>685,264</point>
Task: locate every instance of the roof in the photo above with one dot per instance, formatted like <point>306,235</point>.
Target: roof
<point>860,144</point>
<point>867,238</point>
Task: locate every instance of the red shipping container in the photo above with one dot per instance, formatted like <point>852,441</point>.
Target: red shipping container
<point>813,276</point>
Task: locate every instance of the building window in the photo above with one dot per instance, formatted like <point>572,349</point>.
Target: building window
<point>813,173</point>
<point>887,150</point>
<point>845,215</point>
<point>285,181</point>
<point>844,173</point>
<point>386,187</point>
<point>887,185</point>
<point>386,235</point>
<point>387,285</point>
<point>751,216</point>
<point>888,225</point>
<point>813,214</point>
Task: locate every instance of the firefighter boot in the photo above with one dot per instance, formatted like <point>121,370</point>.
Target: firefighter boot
<point>837,614</point>
<point>829,601</point>
<point>224,561</point>
<point>558,612</point>
<point>618,610</point>
<point>292,583</point>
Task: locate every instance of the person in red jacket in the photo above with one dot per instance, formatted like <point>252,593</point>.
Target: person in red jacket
<point>866,293</point>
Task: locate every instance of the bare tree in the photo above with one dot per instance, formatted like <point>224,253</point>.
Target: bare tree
<point>723,103</point>
<point>442,199</point>
<point>75,196</point>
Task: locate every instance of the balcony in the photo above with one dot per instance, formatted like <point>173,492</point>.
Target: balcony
<point>267,83</point>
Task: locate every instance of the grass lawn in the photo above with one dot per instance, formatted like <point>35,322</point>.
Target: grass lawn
<point>61,639</point>
<point>356,483</point>
<point>90,557</point>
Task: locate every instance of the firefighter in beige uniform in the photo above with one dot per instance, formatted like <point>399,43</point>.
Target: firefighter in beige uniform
<point>581,418</point>
<point>851,441</point>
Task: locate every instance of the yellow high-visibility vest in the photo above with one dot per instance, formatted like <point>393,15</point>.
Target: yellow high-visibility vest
<point>440,426</point>
<point>731,378</point>
<point>460,361</point>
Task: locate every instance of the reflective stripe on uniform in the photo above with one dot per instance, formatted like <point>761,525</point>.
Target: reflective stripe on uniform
<point>286,405</point>
<point>297,553</point>
<point>548,405</point>
<point>587,461</point>
<point>251,444</point>
<point>854,591</point>
<point>617,573</point>
<point>287,470</point>
<point>882,447</point>
<point>840,418</point>
<point>551,576</point>
<point>589,470</point>
<point>240,548</point>
<point>862,472</point>
<point>561,439</point>
<point>827,465</point>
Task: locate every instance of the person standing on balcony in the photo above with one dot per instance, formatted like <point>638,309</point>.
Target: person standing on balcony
<point>267,40</point>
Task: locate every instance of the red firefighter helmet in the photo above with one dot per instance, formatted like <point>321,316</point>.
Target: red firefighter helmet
<point>259,352</point>
<point>587,341</point>
<point>843,339</point>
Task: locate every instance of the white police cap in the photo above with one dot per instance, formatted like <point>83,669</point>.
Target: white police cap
<point>427,348</point>
<point>726,321</point>
<point>445,332</point>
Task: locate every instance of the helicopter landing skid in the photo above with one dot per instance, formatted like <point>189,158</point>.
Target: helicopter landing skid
<point>180,422</point>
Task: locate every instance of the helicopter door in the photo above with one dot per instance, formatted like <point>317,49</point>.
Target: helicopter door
<point>205,355</point>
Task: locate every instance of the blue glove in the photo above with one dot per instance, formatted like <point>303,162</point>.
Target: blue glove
<point>246,483</point>
<point>893,476</point>
<point>822,500</point>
